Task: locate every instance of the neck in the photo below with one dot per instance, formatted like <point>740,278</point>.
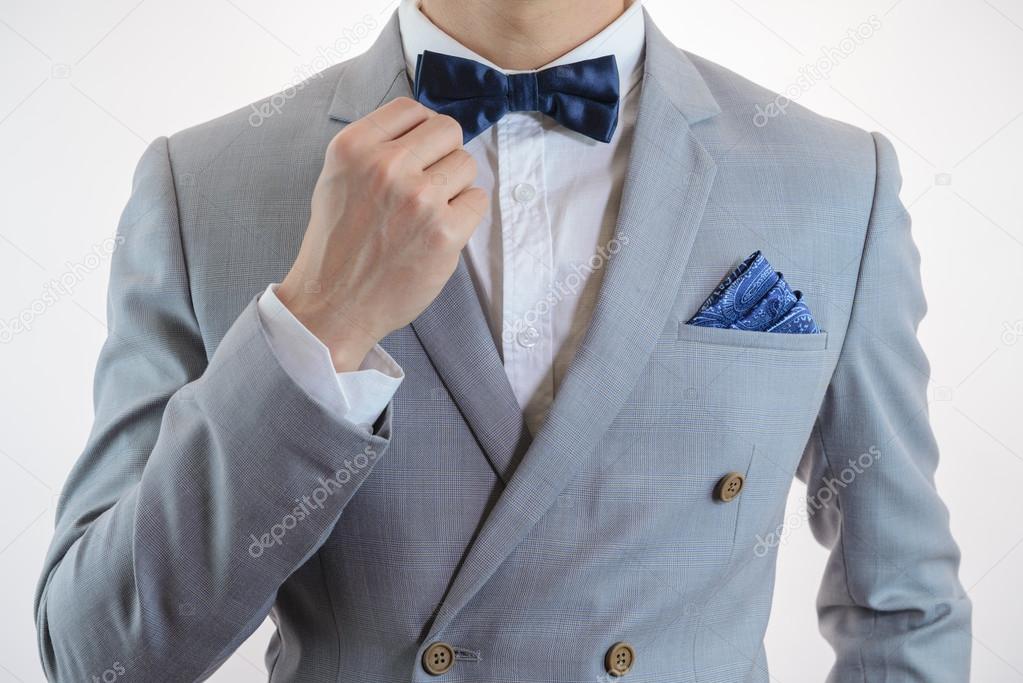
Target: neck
<point>522,34</point>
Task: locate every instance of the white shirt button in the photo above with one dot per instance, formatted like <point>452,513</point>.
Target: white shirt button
<point>524,192</point>
<point>527,337</point>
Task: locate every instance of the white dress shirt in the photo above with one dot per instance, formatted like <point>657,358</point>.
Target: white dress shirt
<point>536,258</point>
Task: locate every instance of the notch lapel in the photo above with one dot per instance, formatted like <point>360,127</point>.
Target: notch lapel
<point>667,185</point>
<point>372,79</point>
<point>452,329</point>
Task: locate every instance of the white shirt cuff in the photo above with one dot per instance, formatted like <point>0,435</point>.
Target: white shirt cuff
<point>359,396</point>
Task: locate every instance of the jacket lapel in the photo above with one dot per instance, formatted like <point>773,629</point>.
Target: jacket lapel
<point>453,329</point>
<point>375,77</point>
<point>667,185</point>
<point>454,332</point>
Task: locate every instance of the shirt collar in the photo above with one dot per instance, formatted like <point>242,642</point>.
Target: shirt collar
<point>624,38</point>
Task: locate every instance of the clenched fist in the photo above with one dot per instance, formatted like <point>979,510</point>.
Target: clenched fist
<point>392,209</point>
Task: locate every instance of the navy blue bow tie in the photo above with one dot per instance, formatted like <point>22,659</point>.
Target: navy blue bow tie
<point>582,96</point>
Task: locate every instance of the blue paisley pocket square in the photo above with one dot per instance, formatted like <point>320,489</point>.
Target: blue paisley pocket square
<point>755,297</point>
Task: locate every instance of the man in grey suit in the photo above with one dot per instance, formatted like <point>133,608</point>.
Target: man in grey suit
<point>419,471</point>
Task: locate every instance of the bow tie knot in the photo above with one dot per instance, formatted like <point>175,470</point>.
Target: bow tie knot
<point>582,96</point>
<point>523,92</point>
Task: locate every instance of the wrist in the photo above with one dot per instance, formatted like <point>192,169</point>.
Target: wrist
<point>348,353</point>
<point>347,341</point>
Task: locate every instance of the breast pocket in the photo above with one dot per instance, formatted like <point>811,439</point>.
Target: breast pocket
<point>709,403</point>
<point>752,393</point>
<point>745,339</point>
<point>760,383</point>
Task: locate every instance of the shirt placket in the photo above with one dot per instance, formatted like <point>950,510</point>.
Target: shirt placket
<point>527,256</point>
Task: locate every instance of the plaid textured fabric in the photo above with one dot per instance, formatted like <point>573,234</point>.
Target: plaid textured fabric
<point>212,491</point>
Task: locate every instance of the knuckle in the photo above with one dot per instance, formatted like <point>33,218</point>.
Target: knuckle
<point>394,157</point>
<point>395,106</point>
<point>387,166</point>
<point>467,161</point>
<point>451,129</point>
<point>438,239</point>
<point>404,105</point>
<point>342,145</point>
<point>404,102</point>
<point>478,197</point>
<point>420,198</point>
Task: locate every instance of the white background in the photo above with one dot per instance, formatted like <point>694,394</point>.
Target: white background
<point>85,86</point>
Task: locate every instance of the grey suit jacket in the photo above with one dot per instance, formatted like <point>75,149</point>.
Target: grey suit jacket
<point>213,491</point>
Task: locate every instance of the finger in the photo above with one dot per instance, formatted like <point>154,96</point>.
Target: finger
<point>432,140</point>
<point>452,174</point>
<point>467,210</point>
<point>391,121</point>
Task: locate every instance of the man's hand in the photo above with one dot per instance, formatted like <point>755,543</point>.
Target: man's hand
<point>392,209</point>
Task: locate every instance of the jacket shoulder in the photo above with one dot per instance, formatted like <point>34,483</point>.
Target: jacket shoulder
<point>295,115</point>
<point>768,117</point>
<point>789,145</point>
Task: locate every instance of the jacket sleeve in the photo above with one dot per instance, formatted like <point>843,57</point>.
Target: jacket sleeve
<point>890,604</point>
<point>204,483</point>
